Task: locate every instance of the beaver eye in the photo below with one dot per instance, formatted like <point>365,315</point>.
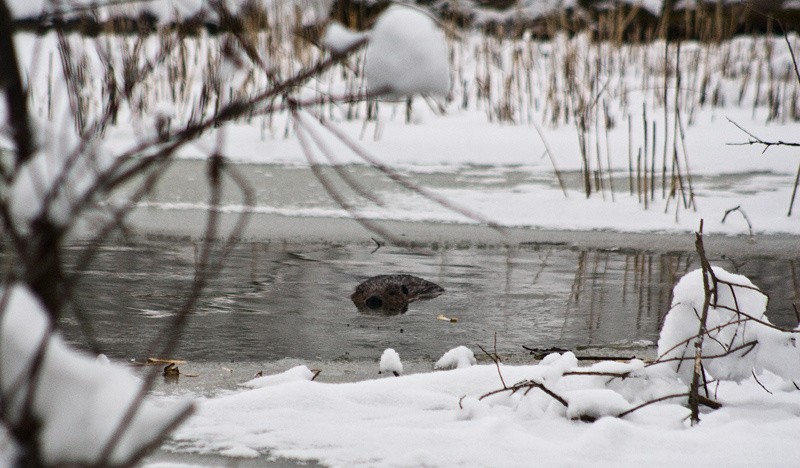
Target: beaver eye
<point>374,302</point>
<point>404,288</point>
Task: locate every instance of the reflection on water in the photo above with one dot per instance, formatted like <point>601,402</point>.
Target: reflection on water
<point>277,300</point>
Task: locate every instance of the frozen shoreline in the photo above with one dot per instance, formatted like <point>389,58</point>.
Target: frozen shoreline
<point>155,223</point>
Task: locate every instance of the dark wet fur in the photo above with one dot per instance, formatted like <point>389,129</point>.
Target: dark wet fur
<point>391,294</point>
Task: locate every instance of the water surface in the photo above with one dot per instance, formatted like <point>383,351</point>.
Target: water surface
<point>277,300</point>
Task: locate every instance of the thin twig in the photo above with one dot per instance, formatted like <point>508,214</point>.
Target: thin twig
<point>754,140</point>
<point>650,402</point>
<point>744,215</point>
<point>759,382</point>
<point>404,181</point>
<point>496,359</point>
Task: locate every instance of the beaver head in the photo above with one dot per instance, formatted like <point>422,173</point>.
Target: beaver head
<point>391,294</point>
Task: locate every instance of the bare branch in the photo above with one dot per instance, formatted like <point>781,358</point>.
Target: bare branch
<point>333,193</point>
<point>744,215</point>
<point>745,346</point>
<point>650,402</point>
<point>754,140</point>
<point>496,361</point>
<point>710,290</point>
<point>759,383</point>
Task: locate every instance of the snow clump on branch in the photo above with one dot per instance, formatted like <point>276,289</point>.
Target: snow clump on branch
<point>407,54</point>
<point>339,39</point>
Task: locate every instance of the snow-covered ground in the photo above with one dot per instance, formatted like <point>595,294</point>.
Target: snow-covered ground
<point>437,419</point>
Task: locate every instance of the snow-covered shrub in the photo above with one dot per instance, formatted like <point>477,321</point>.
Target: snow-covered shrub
<point>339,39</point>
<point>740,339</point>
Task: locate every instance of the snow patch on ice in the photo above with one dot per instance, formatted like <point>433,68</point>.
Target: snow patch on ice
<point>390,362</point>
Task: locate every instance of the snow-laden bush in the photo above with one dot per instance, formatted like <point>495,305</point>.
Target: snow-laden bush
<point>739,340</point>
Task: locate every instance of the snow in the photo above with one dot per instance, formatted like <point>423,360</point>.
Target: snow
<point>339,39</point>
<point>294,374</point>
<point>456,358</point>
<point>390,362</point>
<point>595,403</point>
<point>439,419</point>
<point>407,54</point>
<point>774,350</point>
<point>72,390</point>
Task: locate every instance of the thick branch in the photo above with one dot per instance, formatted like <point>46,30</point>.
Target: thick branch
<point>16,95</point>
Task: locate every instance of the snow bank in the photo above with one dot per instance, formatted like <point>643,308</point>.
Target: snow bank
<point>736,345</point>
<point>407,54</point>
<point>442,419</point>
<point>78,400</point>
<point>456,358</point>
<point>469,134</point>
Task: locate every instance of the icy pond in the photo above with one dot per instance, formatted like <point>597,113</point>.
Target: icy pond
<point>284,292</point>
<point>276,301</point>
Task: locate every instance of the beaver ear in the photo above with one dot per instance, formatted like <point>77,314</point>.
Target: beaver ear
<point>404,288</point>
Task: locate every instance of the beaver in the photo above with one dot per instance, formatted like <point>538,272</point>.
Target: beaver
<point>391,294</point>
